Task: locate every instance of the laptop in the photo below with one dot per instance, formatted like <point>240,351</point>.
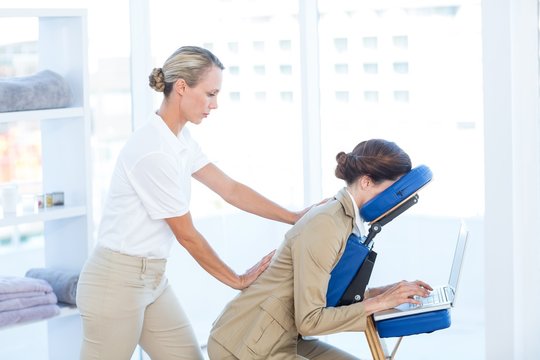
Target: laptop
<point>442,297</point>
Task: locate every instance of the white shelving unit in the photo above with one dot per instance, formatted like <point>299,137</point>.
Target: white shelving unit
<point>65,138</point>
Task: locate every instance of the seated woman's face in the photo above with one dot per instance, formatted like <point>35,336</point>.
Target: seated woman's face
<point>376,189</point>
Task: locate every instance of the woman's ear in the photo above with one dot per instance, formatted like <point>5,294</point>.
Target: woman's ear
<point>365,182</point>
<point>180,86</point>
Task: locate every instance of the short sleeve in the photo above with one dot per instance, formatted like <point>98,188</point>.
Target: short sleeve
<point>157,180</point>
<point>198,158</point>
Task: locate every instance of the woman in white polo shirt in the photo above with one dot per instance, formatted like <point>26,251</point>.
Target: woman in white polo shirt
<point>123,295</point>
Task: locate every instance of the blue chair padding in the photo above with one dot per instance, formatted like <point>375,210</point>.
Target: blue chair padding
<point>399,191</point>
<point>341,276</point>
<point>414,324</point>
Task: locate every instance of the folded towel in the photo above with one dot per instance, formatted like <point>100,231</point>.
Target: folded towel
<point>43,90</point>
<point>13,285</point>
<point>23,294</point>
<point>64,283</point>
<point>26,302</point>
<point>39,312</point>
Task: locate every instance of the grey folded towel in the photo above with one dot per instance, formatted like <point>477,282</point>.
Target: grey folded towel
<point>26,302</point>
<point>23,294</point>
<point>14,285</point>
<point>43,90</point>
<point>28,314</point>
<point>64,284</point>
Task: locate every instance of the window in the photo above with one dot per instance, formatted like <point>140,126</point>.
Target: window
<point>341,69</point>
<point>401,96</point>
<point>341,45</point>
<point>234,70</point>
<point>260,95</point>
<point>401,67</point>
<point>342,96</point>
<point>371,68</point>
<point>259,69</point>
<point>233,46</point>
<point>371,96</point>
<point>285,69</point>
<point>370,42</point>
<point>286,96</point>
<point>428,99</point>
<point>401,42</point>
<point>285,45</point>
<point>258,45</point>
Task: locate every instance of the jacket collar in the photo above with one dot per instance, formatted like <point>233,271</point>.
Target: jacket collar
<point>344,198</point>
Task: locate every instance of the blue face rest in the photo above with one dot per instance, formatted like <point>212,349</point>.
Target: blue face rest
<point>399,191</point>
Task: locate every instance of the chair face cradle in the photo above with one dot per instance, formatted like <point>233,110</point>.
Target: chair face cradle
<point>396,194</point>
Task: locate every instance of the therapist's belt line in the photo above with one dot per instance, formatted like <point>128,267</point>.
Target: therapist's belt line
<point>142,262</point>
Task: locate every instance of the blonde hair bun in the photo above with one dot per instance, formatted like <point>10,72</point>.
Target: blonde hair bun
<point>157,80</point>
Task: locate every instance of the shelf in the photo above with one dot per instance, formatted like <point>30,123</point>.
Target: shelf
<point>66,310</point>
<point>55,213</point>
<point>35,115</point>
<point>41,13</point>
<point>65,162</point>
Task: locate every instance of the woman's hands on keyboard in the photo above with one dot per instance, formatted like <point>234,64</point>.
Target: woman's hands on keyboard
<point>390,296</point>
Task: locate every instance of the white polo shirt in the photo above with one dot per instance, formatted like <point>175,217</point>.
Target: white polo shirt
<point>151,182</point>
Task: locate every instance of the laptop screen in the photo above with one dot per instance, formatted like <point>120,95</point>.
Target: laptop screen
<point>458,256</point>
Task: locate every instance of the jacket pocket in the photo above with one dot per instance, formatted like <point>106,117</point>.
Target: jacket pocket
<point>268,328</point>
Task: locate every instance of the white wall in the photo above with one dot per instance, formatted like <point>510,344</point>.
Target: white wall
<point>512,172</point>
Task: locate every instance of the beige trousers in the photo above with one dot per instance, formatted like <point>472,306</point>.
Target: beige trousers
<point>306,349</point>
<point>125,301</point>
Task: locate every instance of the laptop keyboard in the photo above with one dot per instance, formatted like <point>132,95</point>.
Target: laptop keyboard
<point>437,296</point>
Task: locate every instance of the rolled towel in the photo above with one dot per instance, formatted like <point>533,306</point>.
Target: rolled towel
<point>64,283</point>
<point>43,90</point>
<point>14,285</point>
<point>28,314</point>
<point>26,302</point>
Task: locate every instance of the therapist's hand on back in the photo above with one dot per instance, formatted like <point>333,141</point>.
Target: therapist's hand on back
<point>253,273</point>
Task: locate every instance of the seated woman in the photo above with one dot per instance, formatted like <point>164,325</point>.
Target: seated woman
<point>288,301</point>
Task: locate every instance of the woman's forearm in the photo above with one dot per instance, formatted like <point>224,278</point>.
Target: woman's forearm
<point>209,260</point>
<point>247,199</point>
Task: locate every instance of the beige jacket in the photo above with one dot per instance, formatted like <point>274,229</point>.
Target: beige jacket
<point>289,298</point>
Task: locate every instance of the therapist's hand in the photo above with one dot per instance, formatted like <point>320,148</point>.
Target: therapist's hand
<point>253,273</point>
<point>298,215</point>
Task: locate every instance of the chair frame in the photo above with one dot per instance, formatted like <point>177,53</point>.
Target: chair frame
<point>377,346</point>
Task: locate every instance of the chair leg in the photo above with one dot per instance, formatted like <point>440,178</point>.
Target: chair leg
<point>377,346</point>
<point>393,354</point>
<point>374,341</point>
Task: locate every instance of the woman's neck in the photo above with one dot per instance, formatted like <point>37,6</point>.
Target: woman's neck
<point>354,193</point>
<point>171,116</point>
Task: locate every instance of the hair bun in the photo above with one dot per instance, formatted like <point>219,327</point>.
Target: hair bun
<point>157,80</point>
<point>341,159</point>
